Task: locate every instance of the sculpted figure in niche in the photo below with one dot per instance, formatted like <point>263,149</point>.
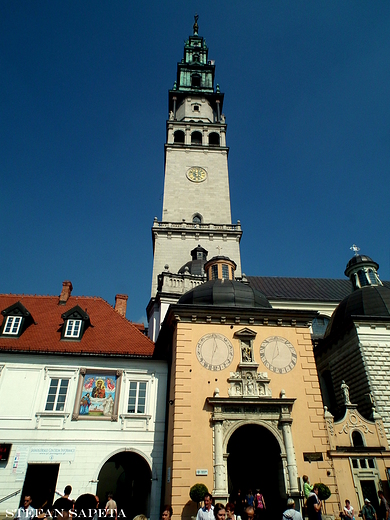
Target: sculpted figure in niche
<point>250,387</point>
<point>246,353</point>
<point>345,390</point>
<point>235,390</point>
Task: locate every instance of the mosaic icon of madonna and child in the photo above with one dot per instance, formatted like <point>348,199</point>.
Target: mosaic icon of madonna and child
<point>98,395</point>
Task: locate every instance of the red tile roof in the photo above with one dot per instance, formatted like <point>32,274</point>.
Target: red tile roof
<point>108,334</point>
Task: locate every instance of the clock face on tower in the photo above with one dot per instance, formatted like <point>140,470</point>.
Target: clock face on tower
<point>196,174</point>
<point>214,351</point>
<point>278,354</point>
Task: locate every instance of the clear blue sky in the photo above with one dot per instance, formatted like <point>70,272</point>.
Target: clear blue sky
<point>83,105</point>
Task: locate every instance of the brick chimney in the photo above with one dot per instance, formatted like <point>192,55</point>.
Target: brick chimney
<point>66,292</point>
<point>121,304</point>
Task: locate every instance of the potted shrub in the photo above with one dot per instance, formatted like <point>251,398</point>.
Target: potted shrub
<point>323,493</point>
<point>197,493</point>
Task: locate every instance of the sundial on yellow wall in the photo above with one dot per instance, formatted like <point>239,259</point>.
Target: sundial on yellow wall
<point>214,351</point>
<point>278,354</point>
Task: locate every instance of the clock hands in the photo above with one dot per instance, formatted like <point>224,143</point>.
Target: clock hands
<point>276,351</point>
<point>215,348</point>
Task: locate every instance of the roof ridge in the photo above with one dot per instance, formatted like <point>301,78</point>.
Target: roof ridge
<point>298,278</point>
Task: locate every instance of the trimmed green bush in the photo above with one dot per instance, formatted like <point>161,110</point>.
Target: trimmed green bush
<point>197,492</point>
<point>323,491</point>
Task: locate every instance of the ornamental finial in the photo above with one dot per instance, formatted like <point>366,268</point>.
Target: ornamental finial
<point>196,24</point>
<point>355,249</point>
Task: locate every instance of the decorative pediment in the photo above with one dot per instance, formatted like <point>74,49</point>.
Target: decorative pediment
<point>75,313</point>
<point>245,333</point>
<point>17,309</point>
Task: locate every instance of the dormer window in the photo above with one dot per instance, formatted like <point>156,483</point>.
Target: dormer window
<point>76,321</point>
<point>73,328</point>
<point>12,325</point>
<point>16,319</point>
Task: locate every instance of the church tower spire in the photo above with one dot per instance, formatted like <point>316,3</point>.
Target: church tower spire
<point>196,205</point>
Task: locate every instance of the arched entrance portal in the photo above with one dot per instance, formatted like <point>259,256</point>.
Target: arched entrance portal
<point>254,462</point>
<point>127,475</point>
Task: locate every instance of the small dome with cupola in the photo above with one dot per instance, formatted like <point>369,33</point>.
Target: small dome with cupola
<point>222,289</point>
<point>369,298</point>
<point>196,265</point>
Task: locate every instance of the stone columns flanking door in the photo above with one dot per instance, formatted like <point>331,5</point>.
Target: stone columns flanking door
<point>274,414</point>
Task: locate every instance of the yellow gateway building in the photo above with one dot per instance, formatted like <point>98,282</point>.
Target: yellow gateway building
<point>247,405</point>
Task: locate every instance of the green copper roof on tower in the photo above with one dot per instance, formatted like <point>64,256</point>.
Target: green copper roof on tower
<point>195,72</point>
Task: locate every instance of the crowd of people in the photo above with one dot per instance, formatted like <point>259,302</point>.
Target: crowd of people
<point>243,507</point>
<point>64,508</point>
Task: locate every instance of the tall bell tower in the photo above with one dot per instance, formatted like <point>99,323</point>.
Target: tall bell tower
<point>196,206</point>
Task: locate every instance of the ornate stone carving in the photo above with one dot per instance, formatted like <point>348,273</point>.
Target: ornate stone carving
<point>354,422</point>
<point>329,421</point>
<point>247,382</point>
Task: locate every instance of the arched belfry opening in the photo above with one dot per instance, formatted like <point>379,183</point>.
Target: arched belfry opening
<point>254,462</point>
<point>128,477</point>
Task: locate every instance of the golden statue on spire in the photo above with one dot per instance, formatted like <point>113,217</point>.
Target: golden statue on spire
<point>196,27</point>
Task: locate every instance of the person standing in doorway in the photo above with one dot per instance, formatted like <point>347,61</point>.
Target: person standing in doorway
<point>368,511</point>
<point>111,507</point>
<point>383,513</point>
<point>314,505</point>
<point>26,510</point>
<point>259,504</point>
<point>250,499</point>
<point>207,511</point>
<point>239,503</point>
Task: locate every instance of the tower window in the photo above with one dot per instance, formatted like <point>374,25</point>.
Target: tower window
<point>214,139</point>
<point>225,272</point>
<point>372,277</point>
<point>214,272</point>
<point>178,137</point>
<point>195,80</point>
<point>196,108</point>
<point>362,278</point>
<point>196,138</point>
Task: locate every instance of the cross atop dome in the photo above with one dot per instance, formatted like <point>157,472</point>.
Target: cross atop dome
<point>355,249</point>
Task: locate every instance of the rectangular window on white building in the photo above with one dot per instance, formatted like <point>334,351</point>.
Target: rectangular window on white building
<point>57,395</point>
<point>137,397</point>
